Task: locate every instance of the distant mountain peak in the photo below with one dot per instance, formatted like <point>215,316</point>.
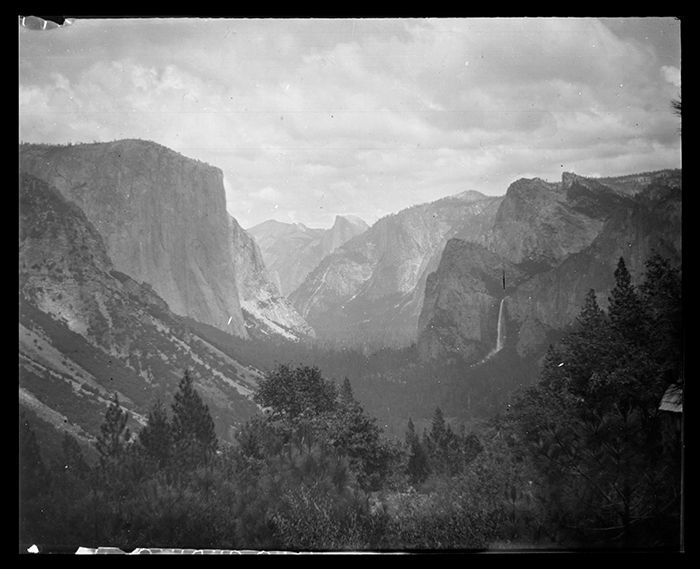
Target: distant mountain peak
<point>470,196</point>
<point>353,219</point>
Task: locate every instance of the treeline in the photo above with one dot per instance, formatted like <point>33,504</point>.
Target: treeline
<point>311,472</point>
<point>582,459</point>
<point>605,462</point>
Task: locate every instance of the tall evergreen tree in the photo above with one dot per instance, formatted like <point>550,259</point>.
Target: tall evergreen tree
<point>346,395</point>
<point>193,429</point>
<point>625,308</point>
<point>418,467</point>
<point>596,439</point>
<point>156,438</point>
<point>587,347</point>
<point>661,293</point>
<point>114,434</point>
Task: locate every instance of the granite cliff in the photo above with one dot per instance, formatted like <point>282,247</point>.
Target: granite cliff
<point>292,250</point>
<point>371,288</point>
<point>462,299</point>
<point>554,242</point>
<point>88,331</point>
<point>163,219</point>
<point>266,312</point>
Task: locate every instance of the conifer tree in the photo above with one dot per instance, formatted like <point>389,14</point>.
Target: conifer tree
<point>193,429</point>
<point>438,433</point>
<point>156,438</point>
<point>114,434</point>
<point>591,426</point>
<point>346,395</point>
<point>661,293</point>
<point>355,433</point>
<point>625,307</point>
<point>587,347</point>
<point>418,466</point>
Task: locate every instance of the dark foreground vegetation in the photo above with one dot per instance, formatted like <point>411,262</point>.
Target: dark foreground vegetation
<point>585,458</point>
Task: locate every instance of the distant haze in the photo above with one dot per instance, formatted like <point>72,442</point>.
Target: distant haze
<point>313,118</point>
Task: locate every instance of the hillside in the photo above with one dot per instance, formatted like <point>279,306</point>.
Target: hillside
<point>88,331</point>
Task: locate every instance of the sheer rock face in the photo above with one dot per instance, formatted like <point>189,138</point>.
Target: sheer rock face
<point>292,250</point>
<point>539,224</point>
<point>462,300</point>
<point>88,331</point>
<point>161,215</point>
<point>266,311</point>
<point>650,224</point>
<point>372,287</point>
<point>555,242</point>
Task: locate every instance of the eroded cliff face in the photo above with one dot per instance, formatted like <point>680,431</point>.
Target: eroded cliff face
<point>88,331</point>
<point>562,240</point>
<point>540,223</point>
<point>462,300</point>
<point>266,311</point>
<point>162,217</point>
<point>57,243</point>
<point>372,287</point>
<point>634,232</point>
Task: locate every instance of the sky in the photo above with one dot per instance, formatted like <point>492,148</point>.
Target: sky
<point>311,118</point>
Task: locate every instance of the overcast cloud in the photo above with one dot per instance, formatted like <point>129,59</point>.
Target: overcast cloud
<point>318,117</point>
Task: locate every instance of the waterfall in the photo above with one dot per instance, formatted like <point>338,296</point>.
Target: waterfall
<point>501,332</point>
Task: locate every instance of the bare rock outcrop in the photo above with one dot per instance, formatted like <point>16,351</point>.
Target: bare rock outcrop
<point>162,217</point>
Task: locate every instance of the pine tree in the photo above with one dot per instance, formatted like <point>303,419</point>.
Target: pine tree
<point>346,395</point>
<point>438,433</point>
<point>418,467</point>
<point>625,308</point>
<point>592,429</point>
<point>587,347</point>
<point>661,293</point>
<point>156,438</point>
<point>354,433</point>
<point>114,434</point>
<point>193,429</point>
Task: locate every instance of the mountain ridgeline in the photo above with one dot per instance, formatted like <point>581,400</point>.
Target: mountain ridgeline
<point>88,331</point>
<point>371,288</point>
<point>163,220</point>
<point>131,270</point>
<point>551,244</point>
<point>435,274</point>
<point>292,250</point>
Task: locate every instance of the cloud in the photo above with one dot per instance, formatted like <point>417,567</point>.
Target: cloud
<point>267,194</point>
<point>374,114</point>
<point>672,75</point>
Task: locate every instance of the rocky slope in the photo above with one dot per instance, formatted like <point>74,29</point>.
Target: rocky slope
<point>562,240</point>
<point>163,219</point>
<point>88,331</point>
<point>292,250</point>
<point>266,312</point>
<point>372,287</point>
<point>541,223</point>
